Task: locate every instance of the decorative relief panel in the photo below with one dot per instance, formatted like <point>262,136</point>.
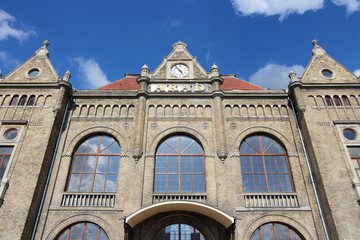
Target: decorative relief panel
<point>259,111</point>
<point>179,111</point>
<point>103,111</point>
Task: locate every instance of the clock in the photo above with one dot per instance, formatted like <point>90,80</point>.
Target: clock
<point>179,70</point>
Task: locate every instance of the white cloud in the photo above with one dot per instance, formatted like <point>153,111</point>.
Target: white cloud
<point>8,61</point>
<point>350,5</point>
<point>91,73</point>
<point>357,72</point>
<point>173,23</point>
<point>283,8</point>
<point>275,76</point>
<point>8,30</point>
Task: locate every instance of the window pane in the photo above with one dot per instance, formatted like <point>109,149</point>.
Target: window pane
<point>89,165</point>
<point>86,182</point>
<point>111,183</point>
<point>281,164</point>
<point>6,150</point>
<point>248,183</point>
<point>74,183</point>
<point>114,164</point>
<point>199,183</point>
<point>91,231</point>
<point>267,232</point>
<point>77,164</point>
<point>198,164</point>
<point>102,164</point>
<point>76,231</point>
<point>160,183</point>
<point>260,183</point>
<point>270,164</point>
<point>3,165</point>
<point>282,231</point>
<point>285,183</point>
<point>246,164</point>
<point>99,183</point>
<point>186,183</point>
<point>194,149</point>
<point>273,181</point>
<point>85,231</point>
<point>173,183</point>
<point>257,164</point>
<point>173,164</point>
<point>185,165</point>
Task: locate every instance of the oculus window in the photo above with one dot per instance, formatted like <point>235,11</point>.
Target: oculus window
<point>264,165</point>
<point>95,165</point>
<point>84,231</point>
<point>179,166</point>
<point>275,231</point>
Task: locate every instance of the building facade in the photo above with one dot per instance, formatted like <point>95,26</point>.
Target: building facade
<point>180,153</point>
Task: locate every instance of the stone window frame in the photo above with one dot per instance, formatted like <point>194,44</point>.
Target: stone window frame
<point>67,231</point>
<point>354,172</point>
<point>275,230</point>
<point>97,155</point>
<point>4,127</point>
<point>293,223</point>
<point>264,173</point>
<point>179,172</point>
<point>63,223</point>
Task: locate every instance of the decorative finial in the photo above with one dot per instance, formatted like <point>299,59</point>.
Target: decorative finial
<point>67,76</point>
<point>145,70</point>
<point>292,76</point>
<point>317,49</point>
<point>214,72</point>
<point>45,43</point>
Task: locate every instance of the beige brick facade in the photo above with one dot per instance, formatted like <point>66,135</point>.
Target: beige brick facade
<point>187,102</point>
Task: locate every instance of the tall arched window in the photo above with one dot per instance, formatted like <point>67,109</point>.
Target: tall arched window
<point>22,100</point>
<point>83,231</point>
<point>264,165</point>
<point>31,101</point>
<point>95,165</point>
<point>179,166</point>
<point>275,231</point>
<point>14,100</point>
<point>179,232</point>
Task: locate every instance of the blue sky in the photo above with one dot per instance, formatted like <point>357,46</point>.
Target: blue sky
<point>258,40</point>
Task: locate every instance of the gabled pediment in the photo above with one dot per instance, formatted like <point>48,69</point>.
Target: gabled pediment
<point>324,69</point>
<point>178,65</point>
<point>37,69</point>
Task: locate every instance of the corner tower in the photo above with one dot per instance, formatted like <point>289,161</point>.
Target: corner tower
<point>327,104</point>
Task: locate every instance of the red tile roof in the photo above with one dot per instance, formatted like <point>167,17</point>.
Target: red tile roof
<point>230,83</point>
<point>234,83</point>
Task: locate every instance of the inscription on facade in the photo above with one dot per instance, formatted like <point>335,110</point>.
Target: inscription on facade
<point>178,87</point>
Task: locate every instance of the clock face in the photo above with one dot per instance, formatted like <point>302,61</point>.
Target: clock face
<point>179,70</point>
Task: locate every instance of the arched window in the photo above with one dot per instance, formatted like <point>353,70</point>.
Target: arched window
<point>345,100</point>
<point>180,232</point>
<point>264,165</point>
<point>14,100</point>
<point>83,231</point>
<point>31,101</point>
<point>22,100</point>
<point>337,101</point>
<point>329,101</point>
<point>179,166</point>
<point>275,231</point>
<point>95,165</point>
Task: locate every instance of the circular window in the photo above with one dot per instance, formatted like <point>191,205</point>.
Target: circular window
<point>327,73</point>
<point>349,134</point>
<point>33,73</point>
<point>11,134</point>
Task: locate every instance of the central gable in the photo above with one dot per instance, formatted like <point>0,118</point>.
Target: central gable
<point>179,65</point>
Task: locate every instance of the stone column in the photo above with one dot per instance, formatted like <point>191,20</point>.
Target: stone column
<point>143,81</point>
<point>217,95</point>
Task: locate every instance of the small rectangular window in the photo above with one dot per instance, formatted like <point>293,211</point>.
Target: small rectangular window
<point>5,154</point>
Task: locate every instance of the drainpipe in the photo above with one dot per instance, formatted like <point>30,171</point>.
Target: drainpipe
<point>50,170</point>
<point>310,171</point>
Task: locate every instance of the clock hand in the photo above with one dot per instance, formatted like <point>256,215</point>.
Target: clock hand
<point>179,69</point>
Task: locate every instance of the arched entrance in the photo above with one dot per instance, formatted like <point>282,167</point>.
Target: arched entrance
<point>211,223</point>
